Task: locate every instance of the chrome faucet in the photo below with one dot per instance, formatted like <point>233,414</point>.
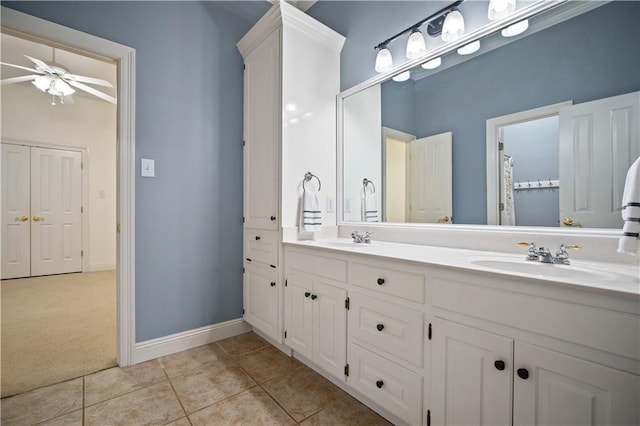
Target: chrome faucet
<point>361,238</point>
<point>543,255</point>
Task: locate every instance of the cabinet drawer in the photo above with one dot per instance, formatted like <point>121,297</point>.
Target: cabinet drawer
<point>391,328</point>
<point>393,387</point>
<point>313,262</point>
<point>391,281</point>
<point>261,246</point>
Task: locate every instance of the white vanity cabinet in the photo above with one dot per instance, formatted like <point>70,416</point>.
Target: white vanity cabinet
<point>285,54</point>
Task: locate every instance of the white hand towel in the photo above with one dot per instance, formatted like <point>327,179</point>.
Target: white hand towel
<point>630,241</point>
<point>311,217</point>
<point>369,209</point>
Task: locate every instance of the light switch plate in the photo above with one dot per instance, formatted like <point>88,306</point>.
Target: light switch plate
<point>330,206</point>
<point>147,167</point>
<point>347,205</point>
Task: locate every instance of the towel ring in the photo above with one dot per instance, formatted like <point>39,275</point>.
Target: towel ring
<point>365,183</point>
<point>307,177</point>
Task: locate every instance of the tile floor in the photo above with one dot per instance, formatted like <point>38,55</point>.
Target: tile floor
<point>240,380</point>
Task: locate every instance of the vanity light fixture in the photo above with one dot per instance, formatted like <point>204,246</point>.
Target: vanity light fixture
<point>470,48</point>
<point>453,26</point>
<point>403,76</point>
<point>416,45</point>
<point>515,29</point>
<point>432,64</point>
<point>384,60</point>
<point>499,9</point>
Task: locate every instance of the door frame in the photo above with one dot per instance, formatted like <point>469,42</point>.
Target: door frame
<point>84,193</point>
<point>388,132</point>
<point>27,26</point>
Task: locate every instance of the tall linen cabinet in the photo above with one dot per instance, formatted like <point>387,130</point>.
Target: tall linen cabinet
<point>291,79</point>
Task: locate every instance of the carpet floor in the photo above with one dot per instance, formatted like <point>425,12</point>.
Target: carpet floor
<point>56,328</point>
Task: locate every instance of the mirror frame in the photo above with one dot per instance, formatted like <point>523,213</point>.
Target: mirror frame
<point>518,15</point>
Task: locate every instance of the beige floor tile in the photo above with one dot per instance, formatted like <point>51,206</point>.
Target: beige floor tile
<point>268,363</point>
<point>217,382</point>
<point>251,407</point>
<point>346,411</point>
<point>302,393</point>
<point>42,404</point>
<point>71,419</point>
<point>180,422</point>
<point>242,344</point>
<point>192,360</point>
<point>117,381</point>
<point>154,405</point>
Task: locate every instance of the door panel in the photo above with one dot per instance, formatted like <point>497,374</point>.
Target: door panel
<point>298,314</point>
<point>16,215</point>
<point>330,328</point>
<point>261,299</point>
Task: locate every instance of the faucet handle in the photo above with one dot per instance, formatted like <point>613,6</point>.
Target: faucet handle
<point>532,254</point>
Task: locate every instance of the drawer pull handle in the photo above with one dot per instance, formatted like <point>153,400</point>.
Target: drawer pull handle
<point>273,284</point>
<point>307,294</point>
<point>314,296</point>
<point>380,327</point>
<point>523,373</point>
<point>257,237</point>
<point>500,365</point>
<point>273,218</point>
<point>248,260</point>
<point>380,281</point>
<point>379,384</point>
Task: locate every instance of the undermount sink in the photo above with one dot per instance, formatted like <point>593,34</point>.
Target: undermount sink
<point>545,269</point>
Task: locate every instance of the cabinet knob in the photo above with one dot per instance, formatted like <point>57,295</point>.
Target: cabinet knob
<point>379,384</point>
<point>523,373</point>
<point>307,294</point>
<point>500,365</point>
<point>273,218</point>
<point>273,284</point>
<point>380,281</point>
<point>380,327</point>
<point>257,237</point>
<point>314,296</point>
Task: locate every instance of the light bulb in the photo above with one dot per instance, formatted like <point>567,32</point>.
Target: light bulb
<point>432,64</point>
<point>416,45</point>
<point>384,61</point>
<point>453,27</point>
<point>403,76</point>
<point>499,9</point>
<point>470,48</point>
<point>515,29</point>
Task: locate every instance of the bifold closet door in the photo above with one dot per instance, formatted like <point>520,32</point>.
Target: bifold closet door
<point>56,220</point>
<point>16,213</point>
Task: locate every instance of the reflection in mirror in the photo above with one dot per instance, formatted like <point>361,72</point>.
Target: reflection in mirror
<point>582,59</point>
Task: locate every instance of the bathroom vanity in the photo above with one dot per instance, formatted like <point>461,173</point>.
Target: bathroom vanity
<point>431,335</point>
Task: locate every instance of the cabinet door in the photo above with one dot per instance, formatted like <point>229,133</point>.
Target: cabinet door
<point>262,126</point>
<point>298,314</point>
<point>261,299</point>
<point>469,384</point>
<point>329,328</point>
<point>563,390</point>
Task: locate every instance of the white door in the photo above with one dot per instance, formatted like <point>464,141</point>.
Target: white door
<point>430,188</point>
<point>298,314</point>
<point>563,390</point>
<point>329,328</point>
<point>599,140</point>
<point>261,299</point>
<point>16,212</point>
<point>262,133</point>
<point>56,236</point>
<point>472,373</point>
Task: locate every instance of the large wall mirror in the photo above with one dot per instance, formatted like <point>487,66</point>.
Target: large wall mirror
<point>533,130</point>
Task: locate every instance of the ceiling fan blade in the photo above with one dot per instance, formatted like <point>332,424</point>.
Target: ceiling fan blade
<point>39,63</point>
<point>19,66</point>
<point>91,80</point>
<point>18,79</point>
<point>93,91</point>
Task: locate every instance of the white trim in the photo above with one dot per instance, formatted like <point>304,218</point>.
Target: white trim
<point>26,25</point>
<point>97,267</point>
<point>178,342</point>
<point>493,126</point>
<point>388,132</point>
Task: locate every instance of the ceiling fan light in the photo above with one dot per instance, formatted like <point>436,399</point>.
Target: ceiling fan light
<point>62,87</point>
<point>432,64</point>
<point>515,29</point>
<point>470,48</point>
<point>42,82</point>
<point>416,46</point>
<point>384,60</point>
<point>453,27</point>
<point>403,76</point>
<point>499,9</point>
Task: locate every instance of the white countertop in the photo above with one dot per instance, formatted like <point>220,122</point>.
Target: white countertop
<point>599,276</point>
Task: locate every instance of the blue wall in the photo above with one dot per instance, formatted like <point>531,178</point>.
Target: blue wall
<point>189,119</point>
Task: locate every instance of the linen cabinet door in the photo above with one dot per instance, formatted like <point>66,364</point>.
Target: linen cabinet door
<point>298,314</point>
<point>329,328</point>
<point>551,388</point>
<point>471,376</point>
<point>261,299</point>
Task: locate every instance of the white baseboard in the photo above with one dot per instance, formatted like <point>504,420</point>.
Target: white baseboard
<point>167,345</point>
<point>95,267</point>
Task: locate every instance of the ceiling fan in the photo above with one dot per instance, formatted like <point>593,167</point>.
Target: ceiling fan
<point>58,81</point>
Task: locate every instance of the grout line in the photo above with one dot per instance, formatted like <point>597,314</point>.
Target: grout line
<point>176,394</point>
<point>84,387</point>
